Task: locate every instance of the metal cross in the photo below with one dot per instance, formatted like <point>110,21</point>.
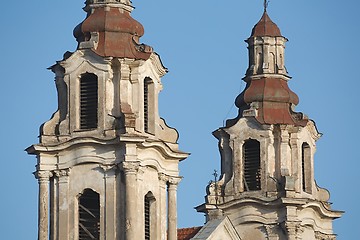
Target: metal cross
<point>266,3</point>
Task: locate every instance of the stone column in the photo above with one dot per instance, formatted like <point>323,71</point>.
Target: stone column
<point>161,207</point>
<point>172,212</point>
<point>53,208</point>
<point>63,223</point>
<point>110,203</point>
<point>43,219</point>
<point>296,159</point>
<point>132,227</point>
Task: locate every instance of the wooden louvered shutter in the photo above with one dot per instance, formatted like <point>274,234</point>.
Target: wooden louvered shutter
<point>88,101</point>
<point>89,215</point>
<point>147,217</point>
<point>147,81</point>
<point>252,170</point>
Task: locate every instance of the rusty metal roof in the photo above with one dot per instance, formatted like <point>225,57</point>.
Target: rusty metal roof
<point>265,27</point>
<point>118,33</point>
<point>271,93</point>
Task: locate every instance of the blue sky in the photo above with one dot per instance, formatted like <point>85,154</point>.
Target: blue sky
<point>201,42</point>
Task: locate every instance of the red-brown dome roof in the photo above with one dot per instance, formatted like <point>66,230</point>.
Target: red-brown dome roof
<point>118,33</point>
<point>265,27</point>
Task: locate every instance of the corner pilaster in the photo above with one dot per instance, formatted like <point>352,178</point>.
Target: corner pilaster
<point>44,180</point>
<point>64,204</point>
<point>172,204</point>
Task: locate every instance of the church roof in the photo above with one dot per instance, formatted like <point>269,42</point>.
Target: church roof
<point>267,88</point>
<point>265,27</point>
<point>118,33</point>
<point>187,233</point>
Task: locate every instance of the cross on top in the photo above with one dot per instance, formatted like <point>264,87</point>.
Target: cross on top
<point>266,3</point>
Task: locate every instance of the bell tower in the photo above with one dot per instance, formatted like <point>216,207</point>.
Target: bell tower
<point>107,163</point>
<point>267,186</point>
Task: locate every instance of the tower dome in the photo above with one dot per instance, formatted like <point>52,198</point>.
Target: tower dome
<point>265,27</point>
<point>110,31</point>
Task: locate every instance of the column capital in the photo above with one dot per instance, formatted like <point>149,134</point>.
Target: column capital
<point>62,173</point>
<point>130,167</point>
<point>163,177</point>
<point>292,228</point>
<point>109,170</point>
<point>43,175</point>
<point>174,181</point>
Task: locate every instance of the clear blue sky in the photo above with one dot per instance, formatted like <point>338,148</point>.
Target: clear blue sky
<point>201,42</point>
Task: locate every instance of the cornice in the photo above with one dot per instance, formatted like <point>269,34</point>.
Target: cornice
<point>165,150</point>
<point>39,148</point>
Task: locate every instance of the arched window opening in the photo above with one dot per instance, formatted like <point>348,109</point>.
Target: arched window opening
<point>251,167</point>
<point>306,169</point>
<point>148,105</point>
<point>88,101</point>
<point>149,216</point>
<point>89,215</point>
<point>259,62</point>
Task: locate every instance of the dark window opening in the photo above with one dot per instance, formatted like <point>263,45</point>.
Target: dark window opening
<point>305,165</point>
<point>252,170</point>
<point>147,217</point>
<point>147,82</point>
<point>88,101</point>
<point>89,215</point>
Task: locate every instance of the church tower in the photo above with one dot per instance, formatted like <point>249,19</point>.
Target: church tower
<point>267,187</point>
<point>107,164</point>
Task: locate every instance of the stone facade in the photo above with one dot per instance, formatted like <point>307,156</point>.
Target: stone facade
<point>106,156</point>
<point>267,187</point>
<point>107,163</point>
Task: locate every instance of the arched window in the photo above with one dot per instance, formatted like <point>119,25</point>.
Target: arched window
<point>89,215</point>
<point>88,101</point>
<point>251,165</point>
<point>306,167</point>
<point>149,216</point>
<point>148,105</point>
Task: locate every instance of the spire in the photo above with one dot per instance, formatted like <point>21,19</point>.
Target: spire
<point>110,31</point>
<point>267,95</point>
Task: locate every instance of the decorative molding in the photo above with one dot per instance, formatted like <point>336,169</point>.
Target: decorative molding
<point>174,181</point>
<point>163,177</point>
<point>311,126</point>
<point>324,236</point>
<point>43,175</point>
<point>271,231</point>
<point>62,173</point>
<point>159,67</point>
<point>130,167</point>
<point>109,170</point>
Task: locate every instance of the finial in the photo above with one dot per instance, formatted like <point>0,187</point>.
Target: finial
<point>266,4</point>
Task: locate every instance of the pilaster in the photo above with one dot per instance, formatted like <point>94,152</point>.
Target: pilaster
<point>64,204</point>
<point>295,159</point>
<point>110,221</point>
<point>161,230</point>
<point>172,205</point>
<point>43,221</point>
<point>285,163</point>
<point>132,227</point>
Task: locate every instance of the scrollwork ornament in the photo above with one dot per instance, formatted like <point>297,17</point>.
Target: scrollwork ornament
<point>163,177</point>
